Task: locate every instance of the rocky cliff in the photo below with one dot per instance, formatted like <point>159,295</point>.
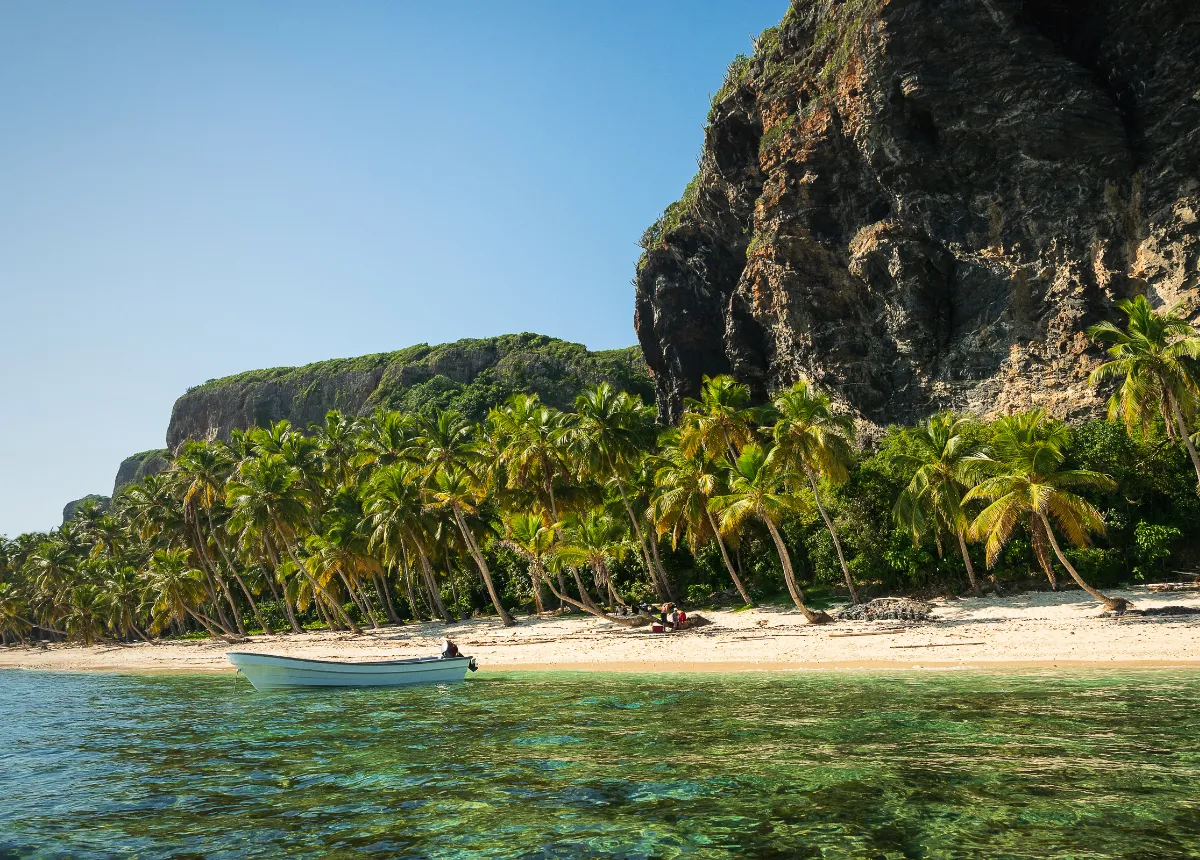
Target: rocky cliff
<point>921,203</point>
<point>468,375</point>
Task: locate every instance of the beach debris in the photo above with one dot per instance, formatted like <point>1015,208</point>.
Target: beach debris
<point>938,645</point>
<point>1157,611</point>
<point>888,609</point>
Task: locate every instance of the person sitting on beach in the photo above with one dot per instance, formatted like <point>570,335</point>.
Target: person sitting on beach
<point>449,649</point>
<point>678,619</point>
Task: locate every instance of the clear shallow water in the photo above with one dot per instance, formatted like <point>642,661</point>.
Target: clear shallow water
<point>576,765</point>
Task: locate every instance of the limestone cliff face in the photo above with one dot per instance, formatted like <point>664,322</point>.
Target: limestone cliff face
<point>921,203</point>
<point>468,375</point>
<point>138,466</point>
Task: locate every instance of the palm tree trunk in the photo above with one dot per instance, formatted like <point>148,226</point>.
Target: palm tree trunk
<point>658,576</point>
<point>233,569</point>
<point>590,610</point>
<point>837,544</point>
<point>962,545</point>
<point>539,607</point>
<point>812,616</point>
<point>584,594</point>
<point>1039,550</point>
<point>208,562</point>
<point>407,575</point>
<point>317,588</point>
<point>562,587</point>
<point>435,594</point>
<point>1116,604</point>
<point>385,597</point>
<point>1187,439</point>
<point>360,600</point>
<point>737,580</point>
<point>273,555</point>
<point>505,619</point>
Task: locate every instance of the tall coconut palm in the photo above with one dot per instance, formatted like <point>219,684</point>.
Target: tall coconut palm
<point>268,498</point>
<point>814,441</point>
<point>721,421</point>
<point>533,446</point>
<point>755,492</point>
<point>944,452</point>
<point>679,506</point>
<point>1028,486</point>
<point>203,468</point>
<point>615,430</point>
<point>1157,359</point>
<point>399,523</point>
<point>453,492</point>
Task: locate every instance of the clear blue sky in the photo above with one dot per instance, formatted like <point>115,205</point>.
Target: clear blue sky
<point>192,189</point>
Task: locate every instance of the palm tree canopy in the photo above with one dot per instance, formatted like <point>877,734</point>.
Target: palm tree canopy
<point>1027,478</point>
<point>1156,356</point>
<point>810,436</point>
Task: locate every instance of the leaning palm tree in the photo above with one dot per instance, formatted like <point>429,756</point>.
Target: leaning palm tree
<point>1157,359</point>
<point>945,455</point>
<point>453,492</point>
<point>683,486</point>
<point>755,493</point>
<point>814,441</point>
<point>1029,486</point>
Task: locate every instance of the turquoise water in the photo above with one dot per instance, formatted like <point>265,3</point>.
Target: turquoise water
<point>584,765</point>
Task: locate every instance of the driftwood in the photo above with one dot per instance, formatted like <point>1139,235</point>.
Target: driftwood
<point>938,645</point>
<point>870,632</point>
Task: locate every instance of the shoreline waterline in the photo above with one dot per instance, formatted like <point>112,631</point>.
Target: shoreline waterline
<point>696,668</point>
<point>1029,631</point>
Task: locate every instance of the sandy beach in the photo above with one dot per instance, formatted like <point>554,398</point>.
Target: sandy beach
<point>1031,630</point>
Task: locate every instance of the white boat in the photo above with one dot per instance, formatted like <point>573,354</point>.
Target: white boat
<point>271,672</point>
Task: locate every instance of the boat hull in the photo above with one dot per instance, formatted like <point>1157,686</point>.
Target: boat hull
<point>271,672</point>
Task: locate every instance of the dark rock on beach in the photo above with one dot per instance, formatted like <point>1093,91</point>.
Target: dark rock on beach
<point>888,609</point>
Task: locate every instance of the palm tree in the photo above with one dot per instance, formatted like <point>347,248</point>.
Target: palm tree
<point>176,591</point>
<point>721,422</point>
<point>945,454</point>
<point>595,540</point>
<point>123,596</point>
<point>683,488</point>
<point>614,432</point>
<point>268,499</point>
<point>204,468</point>
<point>529,537</point>
<point>1029,486</point>
<point>396,515</point>
<point>1157,358</point>
<point>814,441</point>
<point>754,493</point>
<point>453,492</point>
<point>84,612</point>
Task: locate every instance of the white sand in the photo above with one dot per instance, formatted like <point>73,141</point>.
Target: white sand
<point>1038,629</point>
